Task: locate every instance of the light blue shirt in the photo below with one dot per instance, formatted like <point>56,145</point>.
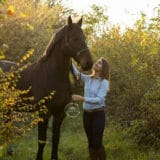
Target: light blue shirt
<point>95,90</point>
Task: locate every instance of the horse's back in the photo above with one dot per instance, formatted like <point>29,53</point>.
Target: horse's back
<point>6,65</point>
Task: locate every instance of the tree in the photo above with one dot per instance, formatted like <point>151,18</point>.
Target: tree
<point>95,22</point>
<point>24,27</point>
<point>134,57</point>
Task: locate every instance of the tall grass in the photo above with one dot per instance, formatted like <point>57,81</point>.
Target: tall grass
<point>73,144</point>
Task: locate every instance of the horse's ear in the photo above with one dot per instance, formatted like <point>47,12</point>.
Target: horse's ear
<point>69,21</point>
<point>80,22</point>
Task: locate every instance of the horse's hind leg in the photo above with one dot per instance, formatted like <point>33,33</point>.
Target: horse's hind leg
<point>42,137</point>
<point>57,121</point>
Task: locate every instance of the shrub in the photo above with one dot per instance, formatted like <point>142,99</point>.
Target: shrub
<point>25,26</point>
<point>18,113</point>
<point>146,129</point>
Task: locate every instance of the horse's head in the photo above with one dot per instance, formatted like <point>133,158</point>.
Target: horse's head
<point>76,42</point>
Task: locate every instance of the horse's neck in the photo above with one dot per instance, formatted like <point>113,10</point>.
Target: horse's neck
<point>58,63</point>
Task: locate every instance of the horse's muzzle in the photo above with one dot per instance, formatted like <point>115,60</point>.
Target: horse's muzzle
<point>87,66</point>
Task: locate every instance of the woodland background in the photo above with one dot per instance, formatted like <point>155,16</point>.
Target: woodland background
<point>133,102</point>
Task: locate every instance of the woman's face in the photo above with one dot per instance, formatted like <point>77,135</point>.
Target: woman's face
<point>97,66</point>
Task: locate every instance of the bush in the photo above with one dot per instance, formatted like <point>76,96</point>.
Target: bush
<point>18,112</point>
<point>25,26</point>
<point>134,57</point>
<point>146,129</point>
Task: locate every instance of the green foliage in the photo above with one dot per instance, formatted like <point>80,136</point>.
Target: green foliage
<point>155,21</point>
<point>73,144</point>
<point>146,129</point>
<point>25,26</point>
<point>95,22</point>
<point>2,1</point>
<point>134,57</point>
<point>3,48</point>
<point>18,111</point>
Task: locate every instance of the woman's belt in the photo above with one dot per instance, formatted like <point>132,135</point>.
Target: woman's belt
<point>93,110</point>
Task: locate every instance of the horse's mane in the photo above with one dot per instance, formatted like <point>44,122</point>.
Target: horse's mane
<point>52,43</point>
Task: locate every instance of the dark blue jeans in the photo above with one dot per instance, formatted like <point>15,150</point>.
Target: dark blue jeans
<point>94,124</point>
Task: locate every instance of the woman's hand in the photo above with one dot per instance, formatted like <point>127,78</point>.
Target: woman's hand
<point>77,98</point>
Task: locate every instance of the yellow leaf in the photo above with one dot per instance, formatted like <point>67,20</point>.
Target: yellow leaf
<point>11,10</point>
<point>11,7</point>
<point>22,15</point>
<point>30,27</point>
<point>24,58</point>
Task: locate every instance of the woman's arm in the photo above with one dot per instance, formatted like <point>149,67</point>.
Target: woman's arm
<point>98,99</point>
<point>83,77</point>
<point>77,98</point>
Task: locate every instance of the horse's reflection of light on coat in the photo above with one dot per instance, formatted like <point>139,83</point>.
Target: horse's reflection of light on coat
<point>51,72</point>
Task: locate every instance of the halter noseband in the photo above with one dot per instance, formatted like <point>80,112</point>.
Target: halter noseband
<point>70,47</point>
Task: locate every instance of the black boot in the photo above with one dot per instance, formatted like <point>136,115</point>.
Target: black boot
<point>101,154</point>
<point>93,154</point>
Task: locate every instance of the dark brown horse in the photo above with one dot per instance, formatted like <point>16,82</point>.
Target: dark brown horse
<point>51,72</point>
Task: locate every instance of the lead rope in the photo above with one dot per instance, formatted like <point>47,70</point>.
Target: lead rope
<point>72,108</point>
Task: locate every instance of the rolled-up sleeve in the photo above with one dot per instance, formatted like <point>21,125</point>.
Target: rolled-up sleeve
<point>101,94</point>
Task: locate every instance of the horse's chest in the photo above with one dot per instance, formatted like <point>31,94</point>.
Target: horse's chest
<point>62,91</point>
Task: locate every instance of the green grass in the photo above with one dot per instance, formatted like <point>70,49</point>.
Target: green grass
<point>120,147</point>
<point>73,144</point>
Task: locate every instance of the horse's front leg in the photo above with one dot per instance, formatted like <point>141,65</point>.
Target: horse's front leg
<point>57,121</point>
<point>42,137</point>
